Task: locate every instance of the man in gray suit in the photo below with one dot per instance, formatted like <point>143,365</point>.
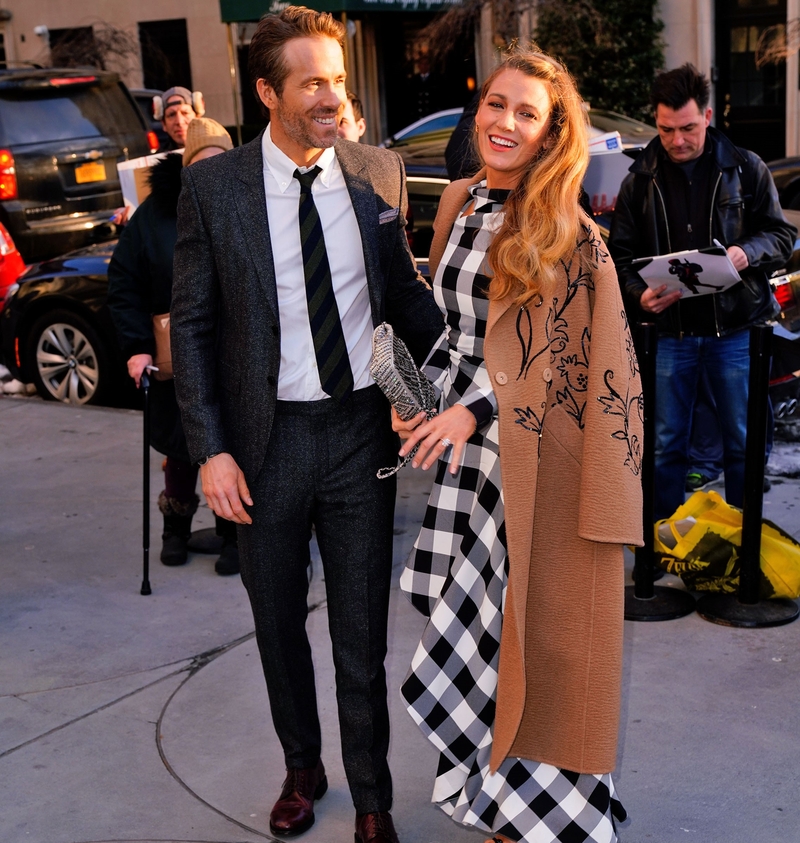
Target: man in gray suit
<point>290,250</point>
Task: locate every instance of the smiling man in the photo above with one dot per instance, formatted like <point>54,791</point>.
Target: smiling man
<point>291,249</point>
<point>690,187</point>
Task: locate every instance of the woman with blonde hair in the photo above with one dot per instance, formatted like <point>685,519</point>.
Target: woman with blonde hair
<point>537,447</point>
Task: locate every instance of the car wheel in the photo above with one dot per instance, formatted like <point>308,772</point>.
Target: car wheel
<point>794,202</point>
<point>68,360</point>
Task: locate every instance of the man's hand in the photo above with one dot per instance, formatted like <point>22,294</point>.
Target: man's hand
<point>403,429</point>
<point>738,258</point>
<point>653,301</point>
<point>225,489</point>
<point>121,215</point>
<point>137,364</point>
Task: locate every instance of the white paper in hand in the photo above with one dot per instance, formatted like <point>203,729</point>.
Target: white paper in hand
<point>697,272</point>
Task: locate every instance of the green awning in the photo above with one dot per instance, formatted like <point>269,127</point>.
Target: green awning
<point>252,10</point>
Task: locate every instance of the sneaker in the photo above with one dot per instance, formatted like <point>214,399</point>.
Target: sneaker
<point>695,481</point>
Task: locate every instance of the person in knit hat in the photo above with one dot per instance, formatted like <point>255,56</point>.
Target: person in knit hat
<point>140,285</point>
<point>204,138</point>
<point>176,108</point>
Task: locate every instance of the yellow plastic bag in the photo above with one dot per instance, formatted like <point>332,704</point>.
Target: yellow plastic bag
<point>701,542</point>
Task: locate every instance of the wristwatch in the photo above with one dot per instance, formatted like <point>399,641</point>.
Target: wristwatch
<point>209,457</point>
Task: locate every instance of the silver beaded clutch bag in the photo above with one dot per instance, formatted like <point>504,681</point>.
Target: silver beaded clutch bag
<point>399,378</point>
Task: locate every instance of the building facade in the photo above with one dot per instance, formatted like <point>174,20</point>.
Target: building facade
<point>161,42</point>
<point>202,44</point>
<point>756,106</point>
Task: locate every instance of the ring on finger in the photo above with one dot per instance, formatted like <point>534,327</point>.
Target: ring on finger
<point>445,443</point>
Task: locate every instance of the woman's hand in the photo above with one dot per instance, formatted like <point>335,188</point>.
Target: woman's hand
<point>137,364</point>
<point>452,428</point>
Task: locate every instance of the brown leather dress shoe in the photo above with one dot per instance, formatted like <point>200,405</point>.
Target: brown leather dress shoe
<point>375,828</point>
<point>293,813</point>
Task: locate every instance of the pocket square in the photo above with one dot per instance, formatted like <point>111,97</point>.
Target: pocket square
<point>388,216</point>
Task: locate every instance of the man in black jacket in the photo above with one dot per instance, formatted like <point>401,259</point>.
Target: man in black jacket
<point>690,186</point>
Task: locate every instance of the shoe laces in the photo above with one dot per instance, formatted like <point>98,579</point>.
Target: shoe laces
<point>378,823</point>
<point>298,779</point>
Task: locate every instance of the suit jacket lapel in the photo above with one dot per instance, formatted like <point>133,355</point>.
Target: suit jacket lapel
<point>362,195</point>
<point>251,206</point>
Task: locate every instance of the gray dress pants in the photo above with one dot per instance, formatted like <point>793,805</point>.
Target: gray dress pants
<point>320,470</point>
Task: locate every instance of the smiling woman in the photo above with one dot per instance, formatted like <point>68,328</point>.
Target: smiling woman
<point>511,125</point>
<point>537,449</point>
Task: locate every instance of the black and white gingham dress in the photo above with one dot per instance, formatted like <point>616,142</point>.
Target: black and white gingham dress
<point>457,575</point>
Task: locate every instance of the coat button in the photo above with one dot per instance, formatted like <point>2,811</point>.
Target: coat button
<point>501,378</point>
<point>547,375</point>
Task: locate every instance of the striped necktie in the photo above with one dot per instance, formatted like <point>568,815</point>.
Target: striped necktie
<point>333,363</point>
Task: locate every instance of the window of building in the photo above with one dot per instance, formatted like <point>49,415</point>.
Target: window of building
<point>165,54</point>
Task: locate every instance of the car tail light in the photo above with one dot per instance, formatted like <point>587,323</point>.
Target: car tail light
<point>8,175</point>
<point>785,295</point>
<point>152,139</point>
<point>6,243</point>
<point>72,80</point>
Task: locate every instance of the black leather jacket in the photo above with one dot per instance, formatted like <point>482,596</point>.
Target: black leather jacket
<point>744,212</point>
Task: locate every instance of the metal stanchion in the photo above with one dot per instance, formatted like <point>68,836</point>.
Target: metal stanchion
<point>643,600</point>
<point>146,487</point>
<point>745,608</point>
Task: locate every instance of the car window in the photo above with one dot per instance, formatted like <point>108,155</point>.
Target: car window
<point>608,121</point>
<point>86,112</point>
<point>435,124</point>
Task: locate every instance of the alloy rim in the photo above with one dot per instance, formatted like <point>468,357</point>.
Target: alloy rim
<point>67,364</point>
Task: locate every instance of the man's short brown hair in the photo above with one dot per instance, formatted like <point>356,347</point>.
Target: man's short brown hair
<point>358,108</point>
<point>265,58</point>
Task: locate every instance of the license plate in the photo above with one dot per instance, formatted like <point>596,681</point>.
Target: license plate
<point>90,171</point>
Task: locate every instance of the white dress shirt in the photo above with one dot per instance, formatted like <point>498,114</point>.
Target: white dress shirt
<point>298,379</point>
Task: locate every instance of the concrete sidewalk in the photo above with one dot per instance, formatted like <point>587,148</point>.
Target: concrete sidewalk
<point>130,718</point>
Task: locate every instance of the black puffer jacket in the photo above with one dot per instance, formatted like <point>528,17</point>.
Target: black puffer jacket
<point>744,212</point>
<point>140,285</point>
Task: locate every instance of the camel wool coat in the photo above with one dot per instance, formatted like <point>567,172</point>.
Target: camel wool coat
<point>569,398</point>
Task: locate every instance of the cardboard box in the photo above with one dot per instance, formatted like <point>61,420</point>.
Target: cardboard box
<point>133,176</point>
<point>603,178</point>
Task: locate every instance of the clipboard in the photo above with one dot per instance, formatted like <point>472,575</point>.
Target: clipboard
<point>695,272</point>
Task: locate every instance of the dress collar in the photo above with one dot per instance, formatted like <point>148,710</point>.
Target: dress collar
<point>486,196</point>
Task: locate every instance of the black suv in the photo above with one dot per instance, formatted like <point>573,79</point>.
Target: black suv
<point>62,133</point>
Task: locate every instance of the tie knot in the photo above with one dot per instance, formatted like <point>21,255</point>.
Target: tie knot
<point>307,179</point>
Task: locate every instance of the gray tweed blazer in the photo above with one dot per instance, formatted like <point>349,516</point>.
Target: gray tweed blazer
<point>226,328</point>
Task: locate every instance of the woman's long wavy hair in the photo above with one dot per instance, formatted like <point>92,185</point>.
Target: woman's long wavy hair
<point>542,216</point>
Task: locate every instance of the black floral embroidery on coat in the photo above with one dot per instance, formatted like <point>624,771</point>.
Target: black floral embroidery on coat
<point>530,420</point>
<point>630,348</point>
<point>597,248</point>
<point>574,369</point>
<point>625,406</point>
<point>556,328</point>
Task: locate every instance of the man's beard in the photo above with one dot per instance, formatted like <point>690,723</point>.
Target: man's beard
<point>301,128</point>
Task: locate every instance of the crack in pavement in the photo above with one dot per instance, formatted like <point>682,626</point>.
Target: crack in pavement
<point>195,663</point>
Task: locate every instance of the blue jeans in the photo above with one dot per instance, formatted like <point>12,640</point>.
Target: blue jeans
<point>705,444</point>
<point>680,363</point>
